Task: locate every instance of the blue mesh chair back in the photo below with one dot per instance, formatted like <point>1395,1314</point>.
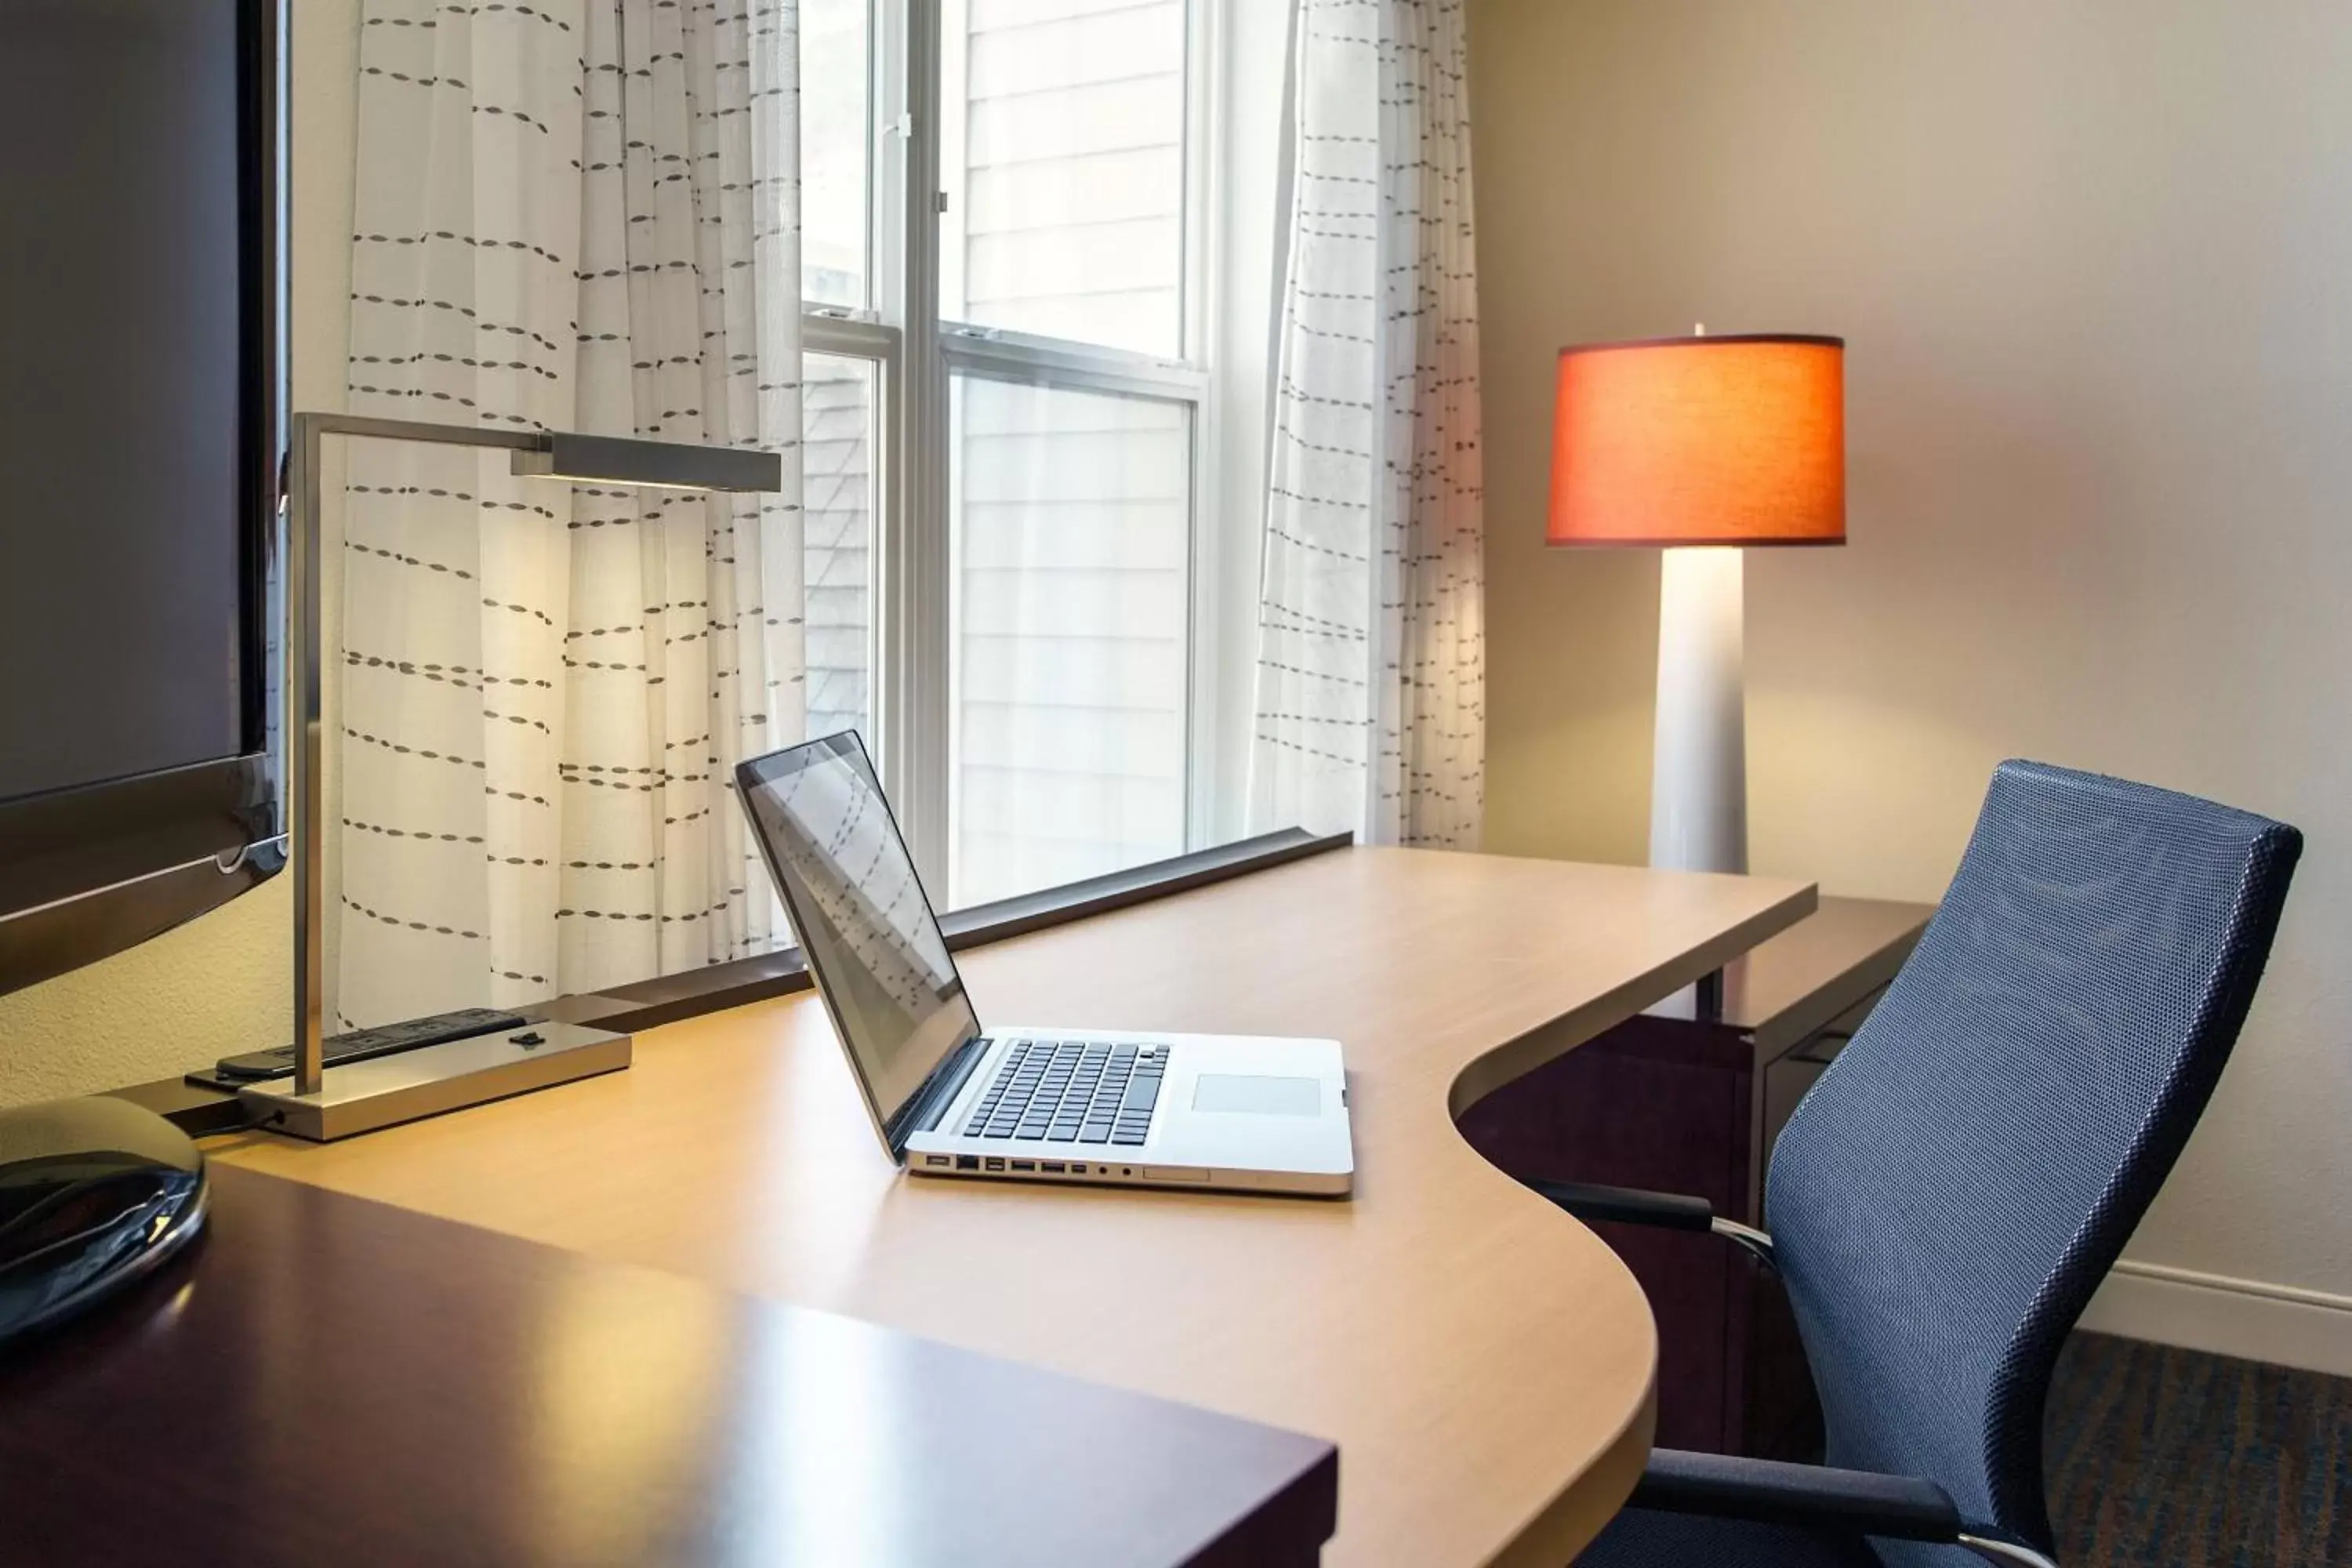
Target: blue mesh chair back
<point>1952,1190</point>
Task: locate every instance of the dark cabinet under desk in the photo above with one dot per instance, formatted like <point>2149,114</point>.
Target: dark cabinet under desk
<point>1678,1105</point>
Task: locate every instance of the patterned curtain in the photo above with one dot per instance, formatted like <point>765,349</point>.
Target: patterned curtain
<point>1370,669</point>
<point>582,214</point>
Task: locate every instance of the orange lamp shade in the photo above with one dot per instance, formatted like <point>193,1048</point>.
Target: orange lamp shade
<point>1730,440</point>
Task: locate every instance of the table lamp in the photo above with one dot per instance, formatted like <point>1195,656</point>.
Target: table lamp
<point>430,1079</point>
<point>1702,446</point>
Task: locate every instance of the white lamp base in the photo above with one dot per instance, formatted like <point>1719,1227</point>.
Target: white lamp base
<point>1698,781</point>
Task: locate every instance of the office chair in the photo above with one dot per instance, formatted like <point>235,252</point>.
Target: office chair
<point>1947,1196</point>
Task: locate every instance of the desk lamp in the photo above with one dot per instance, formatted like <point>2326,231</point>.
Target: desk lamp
<point>362,1096</point>
<point>1704,446</point>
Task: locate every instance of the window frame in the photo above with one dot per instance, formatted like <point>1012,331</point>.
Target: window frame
<point>917,353</point>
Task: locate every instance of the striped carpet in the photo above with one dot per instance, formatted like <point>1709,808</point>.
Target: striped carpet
<point>2158,1455</point>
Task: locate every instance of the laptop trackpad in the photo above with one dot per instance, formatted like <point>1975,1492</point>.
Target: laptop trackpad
<point>1257,1094</point>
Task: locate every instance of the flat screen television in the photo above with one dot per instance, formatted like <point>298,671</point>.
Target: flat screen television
<point>141,412</point>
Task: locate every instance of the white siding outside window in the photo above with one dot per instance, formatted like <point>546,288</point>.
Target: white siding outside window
<point>838,410</point>
<point>837,95</point>
<point>1063,157</point>
<point>1071,519</point>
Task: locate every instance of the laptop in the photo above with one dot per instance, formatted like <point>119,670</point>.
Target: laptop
<point>1028,1102</point>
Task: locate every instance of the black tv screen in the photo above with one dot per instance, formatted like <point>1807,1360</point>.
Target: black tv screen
<point>139,377</point>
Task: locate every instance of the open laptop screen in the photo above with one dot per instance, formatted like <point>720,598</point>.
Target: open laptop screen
<point>863,921</point>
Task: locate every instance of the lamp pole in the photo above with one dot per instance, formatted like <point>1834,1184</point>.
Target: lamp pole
<point>1699,778</point>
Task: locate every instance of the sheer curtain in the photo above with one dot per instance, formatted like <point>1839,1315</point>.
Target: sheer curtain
<point>577,216</point>
<point>1370,671</point>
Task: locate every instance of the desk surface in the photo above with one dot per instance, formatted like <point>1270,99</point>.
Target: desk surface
<point>326,1380</point>
<point>1484,1362</point>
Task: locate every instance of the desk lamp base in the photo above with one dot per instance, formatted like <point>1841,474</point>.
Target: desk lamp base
<point>363,1096</point>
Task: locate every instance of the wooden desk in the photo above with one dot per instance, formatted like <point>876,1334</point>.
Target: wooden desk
<point>323,1380</point>
<point>1483,1362</point>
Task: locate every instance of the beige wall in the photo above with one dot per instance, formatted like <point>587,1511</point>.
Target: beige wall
<point>2093,262</point>
<point>221,984</point>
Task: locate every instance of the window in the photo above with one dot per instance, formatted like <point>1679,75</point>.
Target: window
<point>1021,455</point>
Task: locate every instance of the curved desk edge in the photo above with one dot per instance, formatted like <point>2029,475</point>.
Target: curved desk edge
<point>1489,1071</point>
<point>1572,1521</point>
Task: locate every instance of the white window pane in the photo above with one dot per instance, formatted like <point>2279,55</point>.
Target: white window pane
<point>1063,158</point>
<point>837,419</point>
<point>1071,527</point>
<point>836,147</point>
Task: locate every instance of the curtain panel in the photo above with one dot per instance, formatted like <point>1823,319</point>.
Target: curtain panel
<point>576,216</point>
<point>1370,666</point>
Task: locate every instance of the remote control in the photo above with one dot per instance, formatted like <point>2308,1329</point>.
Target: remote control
<point>385,1039</point>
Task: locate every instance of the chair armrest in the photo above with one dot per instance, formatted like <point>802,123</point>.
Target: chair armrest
<point>1629,1206</point>
<point>1813,1497</point>
<point>1766,1491</point>
<point>1670,1211</point>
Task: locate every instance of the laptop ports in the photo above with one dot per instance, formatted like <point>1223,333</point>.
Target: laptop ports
<point>966,1161</point>
<point>1025,1164</point>
<point>1053,1167</point>
<point>935,1160</point>
<point>994,1164</point>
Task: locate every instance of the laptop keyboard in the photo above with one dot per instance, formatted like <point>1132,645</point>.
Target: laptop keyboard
<point>1072,1092</point>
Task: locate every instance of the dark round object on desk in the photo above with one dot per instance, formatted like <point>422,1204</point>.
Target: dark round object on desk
<point>93,1193</point>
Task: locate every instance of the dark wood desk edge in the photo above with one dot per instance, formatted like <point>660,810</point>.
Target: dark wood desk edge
<point>1289,1531</point>
<point>423,1347</point>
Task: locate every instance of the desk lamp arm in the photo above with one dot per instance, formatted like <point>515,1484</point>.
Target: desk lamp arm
<point>557,455</point>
